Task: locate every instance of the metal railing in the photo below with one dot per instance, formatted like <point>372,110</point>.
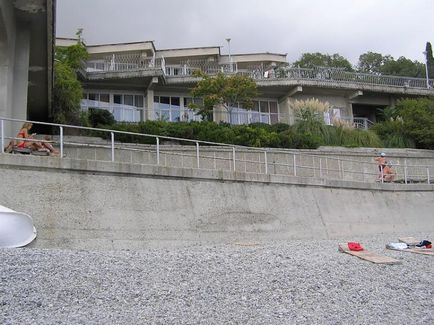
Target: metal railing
<point>194,154</point>
<point>135,61</point>
<point>123,62</point>
<point>339,75</point>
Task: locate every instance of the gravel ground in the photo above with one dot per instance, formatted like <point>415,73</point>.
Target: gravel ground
<point>292,282</point>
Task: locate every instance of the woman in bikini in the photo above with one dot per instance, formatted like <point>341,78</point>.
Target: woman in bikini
<point>27,139</point>
<point>27,142</point>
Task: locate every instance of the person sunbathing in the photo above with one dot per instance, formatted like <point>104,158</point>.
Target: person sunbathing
<point>27,139</point>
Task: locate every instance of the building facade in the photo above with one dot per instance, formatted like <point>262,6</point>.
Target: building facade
<point>137,82</point>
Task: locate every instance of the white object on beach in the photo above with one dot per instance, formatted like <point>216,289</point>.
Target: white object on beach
<point>16,228</point>
<point>399,246</point>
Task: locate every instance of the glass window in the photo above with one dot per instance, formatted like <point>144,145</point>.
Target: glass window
<point>264,107</point>
<point>104,98</point>
<point>129,100</point>
<point>174,101</point>
<point>93,96</point>
<point>255,106</point>
<point>117,99</point>
<point>139,101</point>
<point>164,102</point>
<point>273,107</point>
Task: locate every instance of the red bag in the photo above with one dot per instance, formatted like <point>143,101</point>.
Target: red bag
<point>355,246</point>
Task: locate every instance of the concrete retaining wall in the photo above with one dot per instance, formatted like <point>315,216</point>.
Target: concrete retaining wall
<point>101,205</point>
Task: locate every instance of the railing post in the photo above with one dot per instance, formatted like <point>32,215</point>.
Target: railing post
<point>313,166</point>
<point>158,150</point>
<point>382,173</point>
<point>2,135</point>
<point>61,140</point>
<point>197,155</point>
<point>265,162</point>
<point>112,136</point>
<point>427,174</point>
<point>233,158</point>
<point>343,175</point>
<point>294,165</point>
<point>320,167</point>
<point>405,171</point>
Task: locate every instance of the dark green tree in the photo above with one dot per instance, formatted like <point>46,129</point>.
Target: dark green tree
<point>429,60</point>
<point>223,90</point>
<point>312,60</point>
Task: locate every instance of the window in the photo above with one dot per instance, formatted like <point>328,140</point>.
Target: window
<point>190,114</point>
<point>263,111</point>
<point>167,108</point>
<point>105,98</point>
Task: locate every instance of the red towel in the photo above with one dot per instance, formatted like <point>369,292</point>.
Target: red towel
<point>355,246</point>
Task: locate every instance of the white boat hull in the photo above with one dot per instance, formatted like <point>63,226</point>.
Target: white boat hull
<point>16,228</point>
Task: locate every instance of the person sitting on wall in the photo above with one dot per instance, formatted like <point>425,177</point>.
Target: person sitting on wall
<point>381,161</point>
<point>388,174</point>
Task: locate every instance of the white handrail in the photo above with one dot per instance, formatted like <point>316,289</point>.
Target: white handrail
<point>303,165</point>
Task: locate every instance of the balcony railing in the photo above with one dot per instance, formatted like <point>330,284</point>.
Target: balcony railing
<point>132,62</point>
<point>339,75</point>
<point>124,62</point>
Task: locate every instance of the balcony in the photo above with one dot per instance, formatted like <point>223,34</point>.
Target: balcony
<point>263,74</point>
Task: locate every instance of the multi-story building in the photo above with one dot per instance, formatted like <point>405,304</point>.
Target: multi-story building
<point>136,82</point>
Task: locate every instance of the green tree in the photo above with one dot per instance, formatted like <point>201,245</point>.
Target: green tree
<point>223,90</point>
<point>312,60</point>
<point>67,94</point>
<point>403,67</point>
<point>68,90</point>
<point>418,119</point>
<point>429,60</point>
<point>371,62</point>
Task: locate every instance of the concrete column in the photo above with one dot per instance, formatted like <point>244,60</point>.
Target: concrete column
<point>349,109</point>
<point>149,111</point>
<point>21,73</point>
<point>7,55</point>
<point>286,111</point>
<point>182,109</point>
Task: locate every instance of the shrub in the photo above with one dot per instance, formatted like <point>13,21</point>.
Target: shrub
<point>393,134</point>
<point>98,117</point>
<point>306,140</point>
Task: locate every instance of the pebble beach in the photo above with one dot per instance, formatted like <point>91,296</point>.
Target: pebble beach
<point>291,282</point>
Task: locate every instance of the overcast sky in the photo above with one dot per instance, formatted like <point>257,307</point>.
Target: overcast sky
<point>347,27</point>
